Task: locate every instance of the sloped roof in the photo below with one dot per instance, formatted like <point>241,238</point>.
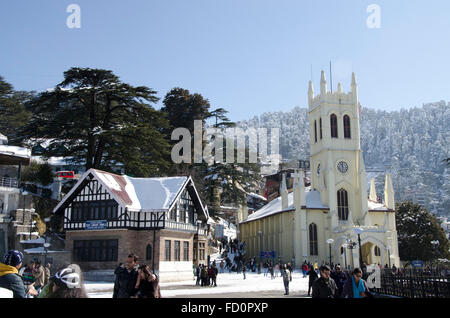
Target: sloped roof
<point>274,206</point>
<point>138,194</point>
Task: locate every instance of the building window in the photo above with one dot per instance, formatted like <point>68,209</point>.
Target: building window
<point>320,127</point>
<point>93,210</point>
<point>95,250</point>
<point>177,251</point>
<point>377,251</point>
<point>185,251</point>
<point>167,250</point>
<point>347,126</point>
<point>313,244</point>
<point>148,252</point>
<point>201,251</point>
<point>173,213</point>
<point>342,202</point>
<point>333,125</point>
<point>315,131</point>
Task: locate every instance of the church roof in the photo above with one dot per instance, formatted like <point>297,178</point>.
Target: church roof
<point>274,206</point>
<point>376,206</point>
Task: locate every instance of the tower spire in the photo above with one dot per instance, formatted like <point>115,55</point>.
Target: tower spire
<point>323,83</point>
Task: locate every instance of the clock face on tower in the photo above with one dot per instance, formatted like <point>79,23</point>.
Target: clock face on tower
<point>342,167</point>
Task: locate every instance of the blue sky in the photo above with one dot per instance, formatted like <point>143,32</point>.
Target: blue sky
<point>248,56</point>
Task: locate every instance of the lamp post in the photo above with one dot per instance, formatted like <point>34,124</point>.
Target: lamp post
<point>46,246</point>
<point>359,231</point>
<point>345,254</point>
<point>260,250</point>
<point>24,193</point>
<point>435,247</point>
<point>330,241</point>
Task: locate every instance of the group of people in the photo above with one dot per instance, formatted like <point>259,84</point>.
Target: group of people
<point>36,281</point>
<point>206,275</point>
<point>335,283</point>
<point>132,280</point>
<point>135,281</point>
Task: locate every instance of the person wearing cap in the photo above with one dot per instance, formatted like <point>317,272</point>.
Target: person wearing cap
<point>9,275</point>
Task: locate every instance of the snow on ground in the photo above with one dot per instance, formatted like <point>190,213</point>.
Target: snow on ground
<point>226,283</point>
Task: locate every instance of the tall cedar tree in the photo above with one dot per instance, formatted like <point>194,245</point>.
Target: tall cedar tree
<point>416,228</point>
<point>102,123</point>
<point>13,113</point>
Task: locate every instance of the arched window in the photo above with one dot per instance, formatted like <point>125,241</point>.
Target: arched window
<point>320,127</point>
<point>342,202</point>
<point>148,252</point>
<point>313,245</point>
<point>347,126</point>
<point>377,251</point>
<point>315,131</point>
<point>333,125</point>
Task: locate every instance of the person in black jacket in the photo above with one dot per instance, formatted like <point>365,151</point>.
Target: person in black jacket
<point>324,286</point>
<point>126,278</point>
<point>339,278</point>
<point>312,277</point>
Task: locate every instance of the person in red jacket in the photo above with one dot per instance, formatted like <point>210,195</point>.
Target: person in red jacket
<point>304,269</point>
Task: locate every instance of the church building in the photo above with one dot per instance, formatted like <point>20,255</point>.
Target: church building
<point>329,218</point>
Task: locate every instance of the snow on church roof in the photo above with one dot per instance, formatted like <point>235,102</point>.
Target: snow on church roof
<point>375,206</point>
<point>136,194</point>
<point>274,206</point>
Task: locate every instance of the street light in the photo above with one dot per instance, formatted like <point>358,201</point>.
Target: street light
<point>330,241</point>
<point>359,231</point>
<point>46,246</point>
<point>345,254</point>
<point>260,250</point>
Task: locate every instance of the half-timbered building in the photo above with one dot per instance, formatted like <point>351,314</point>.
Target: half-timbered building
<point>162,220</point>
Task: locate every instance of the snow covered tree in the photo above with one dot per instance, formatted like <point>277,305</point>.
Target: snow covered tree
<point>416,229</point>
<point>101,122</point>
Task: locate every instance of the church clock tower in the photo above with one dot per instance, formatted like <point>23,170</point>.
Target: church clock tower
<point>337,166</point>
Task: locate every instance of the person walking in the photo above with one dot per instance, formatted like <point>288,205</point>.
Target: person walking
<point>286,274</point>
<point>356,286</point>
<point>28,278</point>
<point>289,267</point>
<point>339,278</point>
<point>9,275</point>
<point>47,274</point>
<point>272,276</point>
<point>67,283</point>
<point>324,286</point>
<point>147,283</point>
<point>204,275</point>
<point>214,272</point>
<point>124,286</point>
<point>244,269</point>
<point>304,269</point>
<point>312,277</point>
<point>39,276</point>
<point>198,274</point>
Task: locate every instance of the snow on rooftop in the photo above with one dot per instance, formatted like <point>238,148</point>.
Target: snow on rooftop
<point>257,196</point>
<point>35,241</point>
<point>376,206</point>
<point>15,151</point>
<point>154,193</point>
<point>274,206</point>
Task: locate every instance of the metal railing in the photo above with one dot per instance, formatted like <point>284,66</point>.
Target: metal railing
<point>8,182</point>
<point>415,283</point>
